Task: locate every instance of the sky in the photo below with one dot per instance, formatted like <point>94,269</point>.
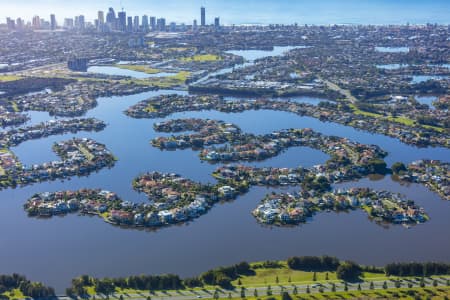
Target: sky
<point>245,12</point>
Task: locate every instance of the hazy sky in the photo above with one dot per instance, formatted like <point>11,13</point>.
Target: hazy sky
<point>248,11</point>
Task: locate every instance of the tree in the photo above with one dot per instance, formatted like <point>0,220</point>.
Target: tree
<point>242,292</point>
<point>239,282</point>
<point>348,271</point>
<point>255,293</point>
<point>295,291</point>
<point>285,296</point>
<point>371,285</point>
<point>345,286</point>
<point>314,277</point>
<point>326,276</point>
<point>435,283</point>
<point>359,286</point>
<point>216,294</point>
<point>385,285</point>
<point>422,282</point>
<point>269,291</point>
<point>69,292</point>
<point>289,279</point>
<point>307,289</point>
<point>104,286</point>
<point>333,287</point>
<point>377,166</point>
<point>398,167</point>
<point>277,280</point>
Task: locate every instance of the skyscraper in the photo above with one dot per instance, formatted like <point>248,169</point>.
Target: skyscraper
<point>111,20</point>
<point>145,23</point>
<point>11,24</point>
<point>203,16</point>
<point>81,23</point>
<point>20,24</point>
<point>136,24</point>
<point>100,20</point>
<point>130,24</point>
<point>194,25</point>
<point>101,17</point>
<point>217,22</point>
<point>161,24</point>
<point>68,23</point>
<point>173,26</point>
<point>36,22</point>
<point>153,23</point>
<point>122,21</point>
<point>52,22</point>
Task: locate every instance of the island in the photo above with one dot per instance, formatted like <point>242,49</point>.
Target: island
<point>79,157</point>
<point>420,135</point>
<point>382,206</point>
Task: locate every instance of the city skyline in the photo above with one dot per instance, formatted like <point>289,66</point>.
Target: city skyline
<point>119,21</point>
<point>302,12</point>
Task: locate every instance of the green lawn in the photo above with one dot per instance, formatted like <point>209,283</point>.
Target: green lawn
<point>202,57</point>
<point>14,106</point>
<point>139,68</point>
<point>6,78</point>
<point>14,294</point>
<point>162,82</point>
<point>285,275</point>
<point>89,156</point>
<point>400,120</point>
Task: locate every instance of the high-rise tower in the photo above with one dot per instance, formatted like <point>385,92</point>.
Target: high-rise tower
<point>203,16</point>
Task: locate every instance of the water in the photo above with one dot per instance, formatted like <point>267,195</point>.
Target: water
<point>392,66</point>
<point>423,78</point>
<point>392,49</point>
<point>249,57</point>
<point>428,100</point>
<point>76,245</point>
<point>44,91</point>
<point>301,99</point>
<point>252,55</point>
<point>125,72</point>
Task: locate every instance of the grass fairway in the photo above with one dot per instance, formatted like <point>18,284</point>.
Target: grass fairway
<point>202,57</point>
<point>400,120</point>
<point>139,68</point>
<point>282,275</point>
<point>89,156</point>
<point>6,78</point>
<point>162,82</point>
<point>171,81</point>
